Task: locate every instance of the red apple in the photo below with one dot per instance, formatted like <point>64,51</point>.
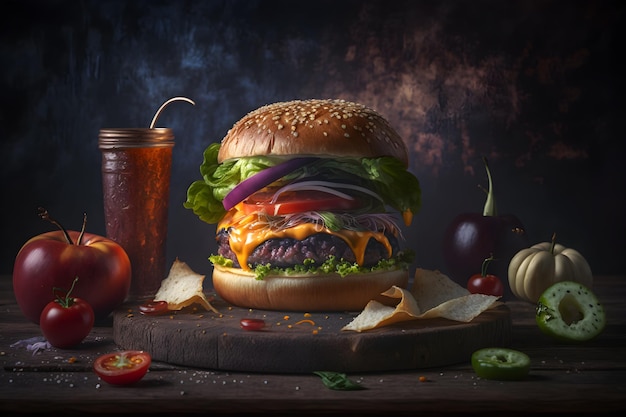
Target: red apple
<point>53,260</point>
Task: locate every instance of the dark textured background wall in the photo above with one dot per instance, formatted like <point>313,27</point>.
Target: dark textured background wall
<point>536,86</point>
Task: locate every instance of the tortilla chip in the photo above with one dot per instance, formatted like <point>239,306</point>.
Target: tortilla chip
<point>432,288</point>
<point>433,295</point>
<point>182,288</point>
<point>377,314</point>
<point>463,309</point>
<point>374,315</point>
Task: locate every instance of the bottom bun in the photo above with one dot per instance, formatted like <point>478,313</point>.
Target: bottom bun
<point>305,292</point>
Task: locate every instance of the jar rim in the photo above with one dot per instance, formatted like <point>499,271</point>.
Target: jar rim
<point>130,137</point>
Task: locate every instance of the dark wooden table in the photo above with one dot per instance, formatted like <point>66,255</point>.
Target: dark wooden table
<point>586,379</point>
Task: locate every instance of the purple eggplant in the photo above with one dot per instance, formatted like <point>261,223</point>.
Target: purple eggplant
<point>473,237</point>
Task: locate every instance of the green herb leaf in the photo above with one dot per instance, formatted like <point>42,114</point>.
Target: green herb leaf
<point>220,260</point>
<point>338,381</point>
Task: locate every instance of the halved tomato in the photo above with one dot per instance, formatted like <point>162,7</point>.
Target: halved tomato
<point>297,202</point>
<point>122,368</point>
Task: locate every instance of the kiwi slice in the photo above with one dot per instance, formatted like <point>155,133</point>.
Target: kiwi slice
<point>570,312</point>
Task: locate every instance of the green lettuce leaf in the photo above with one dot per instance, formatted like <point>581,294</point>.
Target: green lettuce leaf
<point>385,175</point>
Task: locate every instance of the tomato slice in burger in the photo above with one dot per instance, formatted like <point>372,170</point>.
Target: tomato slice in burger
<point>122,368</point>
<point>297,202</point>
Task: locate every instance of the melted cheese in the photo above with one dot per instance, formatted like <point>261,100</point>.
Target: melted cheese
<point>247,231</point>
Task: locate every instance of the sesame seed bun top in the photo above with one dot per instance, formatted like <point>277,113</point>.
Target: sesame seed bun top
<point>334,128</point>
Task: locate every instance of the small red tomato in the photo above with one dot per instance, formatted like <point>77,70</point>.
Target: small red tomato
<point>122,368</point>
<point>485,283</point>
<point>66,321</point>
<point>154,308</point>
<point>488,284</point>
<point>252,324</point>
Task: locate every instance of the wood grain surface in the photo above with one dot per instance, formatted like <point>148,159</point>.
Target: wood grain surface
<point>582,380</point>
<point>298,343</point>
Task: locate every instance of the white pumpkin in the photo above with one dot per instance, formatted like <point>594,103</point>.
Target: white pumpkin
<point>533,270</point>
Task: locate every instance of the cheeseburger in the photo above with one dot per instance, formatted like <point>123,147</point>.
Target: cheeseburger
<point>306,197</point>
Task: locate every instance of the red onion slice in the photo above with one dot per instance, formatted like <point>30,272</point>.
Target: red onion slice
<point>262,179</point>
<point>325,186</point>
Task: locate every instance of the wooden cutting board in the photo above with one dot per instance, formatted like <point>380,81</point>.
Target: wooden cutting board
<point>205,339</point>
